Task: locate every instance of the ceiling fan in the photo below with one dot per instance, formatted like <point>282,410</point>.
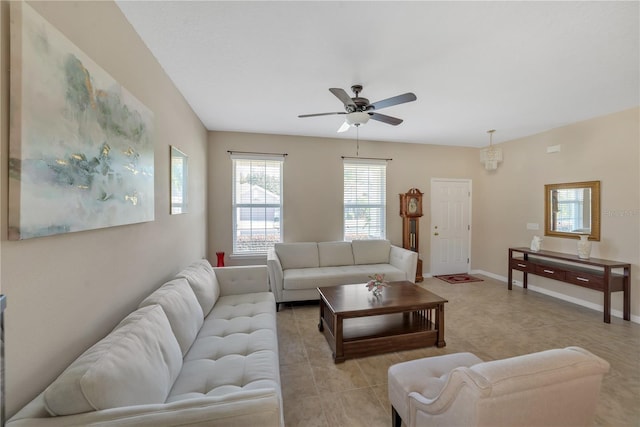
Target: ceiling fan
<point>359,110</point>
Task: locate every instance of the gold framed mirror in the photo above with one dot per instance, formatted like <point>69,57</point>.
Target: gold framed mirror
<point>572,209</point>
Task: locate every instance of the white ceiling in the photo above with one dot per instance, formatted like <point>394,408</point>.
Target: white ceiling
<point>518,67</point>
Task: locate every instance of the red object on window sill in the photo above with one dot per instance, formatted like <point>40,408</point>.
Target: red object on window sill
<point>220,256</point>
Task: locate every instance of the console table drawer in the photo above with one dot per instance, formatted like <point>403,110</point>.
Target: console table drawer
<point>550,272</point>
<point>586,280</point>
<point>522,265</point>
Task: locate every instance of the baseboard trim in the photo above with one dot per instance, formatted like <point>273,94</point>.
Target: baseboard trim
<point>563,297</point>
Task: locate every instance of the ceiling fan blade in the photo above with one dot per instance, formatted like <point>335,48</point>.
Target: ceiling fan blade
<point>386,119</point>
<point>345,127</point>
<point>320,114</point>
<point>394,100</point>
<point>344,97</point>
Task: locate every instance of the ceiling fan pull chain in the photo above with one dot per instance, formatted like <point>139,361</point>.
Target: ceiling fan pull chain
<point>357,141</point>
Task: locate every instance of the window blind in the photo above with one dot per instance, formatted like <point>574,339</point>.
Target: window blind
<point>365,186</point>
<point>257,203</point>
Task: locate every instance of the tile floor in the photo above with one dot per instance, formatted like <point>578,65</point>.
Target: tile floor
<point>481,317</point>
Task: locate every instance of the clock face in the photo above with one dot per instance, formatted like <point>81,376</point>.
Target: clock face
<point>413,205</point>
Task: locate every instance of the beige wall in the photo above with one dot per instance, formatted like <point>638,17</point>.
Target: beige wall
<point>67,291</point>
<point>503,202</point>
<point>604,149</point>
<point>313,171</point>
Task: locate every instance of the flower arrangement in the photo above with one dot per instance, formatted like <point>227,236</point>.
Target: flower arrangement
<point>376,284</point>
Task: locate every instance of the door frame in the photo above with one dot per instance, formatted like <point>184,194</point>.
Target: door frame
<point>469,181</point>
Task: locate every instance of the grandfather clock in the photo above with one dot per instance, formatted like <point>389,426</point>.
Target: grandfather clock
<point>411,211</point>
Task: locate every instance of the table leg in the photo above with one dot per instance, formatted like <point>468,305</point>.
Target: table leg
<point>338,356</point>
<point>320,325</point>
<point>440,325</point>
<point>607,294</point>
<point>627,294</point>
<point>509,280</point>
<point>524,274</point>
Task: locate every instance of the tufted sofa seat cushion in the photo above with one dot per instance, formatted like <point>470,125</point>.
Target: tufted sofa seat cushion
<point>236,350</point>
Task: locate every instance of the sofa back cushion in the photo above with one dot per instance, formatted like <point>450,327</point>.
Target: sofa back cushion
<point>203,282</point>
<point>136,364</point>
<point>297,255</point>
<point>371,251</point>
<point>182,309</point>
<point>334,254</point>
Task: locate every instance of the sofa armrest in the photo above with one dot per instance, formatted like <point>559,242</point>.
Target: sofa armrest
<point>276,274</point>
<point>242,279</point>
<point>405,260</point>
<point>251,407</point>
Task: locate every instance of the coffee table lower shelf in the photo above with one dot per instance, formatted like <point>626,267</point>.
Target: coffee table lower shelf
<point>370,335</point>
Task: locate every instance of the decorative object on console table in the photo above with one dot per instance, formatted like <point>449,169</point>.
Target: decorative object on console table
<point>535,243</point>
<point>592,273</point>
<point>411,211</point>
<point>584,246</point>
<point>220,256</point>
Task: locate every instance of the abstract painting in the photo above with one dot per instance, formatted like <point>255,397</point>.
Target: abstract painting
<point>81,152</point>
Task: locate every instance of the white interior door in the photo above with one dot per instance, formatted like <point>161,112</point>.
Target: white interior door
<point>450,226</point>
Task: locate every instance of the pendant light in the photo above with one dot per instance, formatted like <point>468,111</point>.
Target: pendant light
<point>491,155</point>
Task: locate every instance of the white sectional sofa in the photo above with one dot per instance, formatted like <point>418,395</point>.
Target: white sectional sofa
<point>201,350</point>
<point>297,269</point>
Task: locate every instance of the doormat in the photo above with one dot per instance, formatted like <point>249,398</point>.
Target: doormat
<point>459,278</point>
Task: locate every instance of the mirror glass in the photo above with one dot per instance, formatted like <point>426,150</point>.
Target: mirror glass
<point>179,181</point>
<point>572,209</point>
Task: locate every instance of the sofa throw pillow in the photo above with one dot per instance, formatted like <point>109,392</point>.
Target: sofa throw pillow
<point>371,251</point>
<point>204,283</point>
<point>182,309</point>
<point>297,255</point>
<point>136,364</point>
<point>334,254</point>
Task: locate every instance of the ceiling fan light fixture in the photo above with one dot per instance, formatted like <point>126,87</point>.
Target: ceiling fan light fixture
<point>491,155</point>
<point>358,118</point>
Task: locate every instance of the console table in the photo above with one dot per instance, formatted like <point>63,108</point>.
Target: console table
<point>571,269</point>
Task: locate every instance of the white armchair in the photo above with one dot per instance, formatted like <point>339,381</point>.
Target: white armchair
<point>557,387</point>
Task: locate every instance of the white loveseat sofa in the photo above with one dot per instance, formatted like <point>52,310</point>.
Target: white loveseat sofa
<point>297,269</point>
<point>199,351</point>
<point>558,387</point>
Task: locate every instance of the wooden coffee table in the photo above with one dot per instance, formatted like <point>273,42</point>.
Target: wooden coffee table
<point>358,324</point>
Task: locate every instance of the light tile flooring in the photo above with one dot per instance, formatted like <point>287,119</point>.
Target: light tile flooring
<point>481,317</point>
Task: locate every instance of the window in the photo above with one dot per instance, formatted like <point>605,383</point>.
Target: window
<point>572,209</point>
<point>364,199</point>
<point>257,203</point>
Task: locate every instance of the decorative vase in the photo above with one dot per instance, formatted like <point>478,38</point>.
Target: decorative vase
<point>584,247</point>
<point>376,284</point>
<point>220,256</point>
